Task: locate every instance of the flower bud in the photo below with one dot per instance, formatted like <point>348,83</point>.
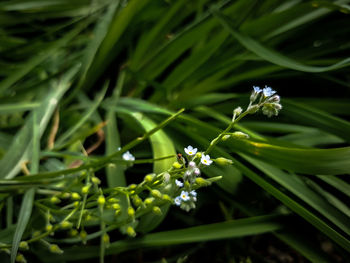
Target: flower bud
<point>113,200</point>
<point>76,204</point>
<point>237,111</point>
<point>73,232</point>
<point>240,135</point>
<point>75,196</point>
<point>83,235</point>
<point>149,178</point>
<point>137,200</point>
<point>55,200</point>
<point>49,227</point>
<point>106,239</point>
<point>85,189</point>
<point>131,211</point>
<point>225,137</point>
<point>196,171</point>
<point>65,195</point>
<point>95,180</point>
<point>20,258</point>
<point>66,224</point>
<point>202,182</point>
<point>130,231</point>
<point>55,249</point>
<point>176,165</point>
<point>199,155</point>
<point>155,193</point>
<point>101,200</point>
<point>116,206</point>
<point>132,186</point>
<point>149,200</point>
<point>167,198</point>
<point>24,245</point>
<point>223,161</point>
<point>157,210</point>
<point>192,164</point>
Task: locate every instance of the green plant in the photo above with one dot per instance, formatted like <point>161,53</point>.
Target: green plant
<point>80,78</point>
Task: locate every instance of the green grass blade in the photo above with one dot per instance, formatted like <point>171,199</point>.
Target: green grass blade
<point>28,198</point>
<point>271,55</point>
<point>19,149</point>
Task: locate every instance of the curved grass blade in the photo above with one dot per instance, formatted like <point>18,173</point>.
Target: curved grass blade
<point>28,198</point>
<point>161,146</point>
<point>229,229</point>
<point>271,55</point>
<point>19,150</point>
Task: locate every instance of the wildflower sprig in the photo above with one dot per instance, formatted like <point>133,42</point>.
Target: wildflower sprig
<point>72,208</point>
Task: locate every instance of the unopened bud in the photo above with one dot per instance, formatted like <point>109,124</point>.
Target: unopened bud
<point>116,206</point>
<point>49,228</point>
<point>106,239</point>
<point>75,196</point>
<point>65,195</point>
<point>237,111</point>
<point>137,200</point>
<point>223,161</point>
<point>55,200</point>
<point>199,155</point>
<point>149,200</point>
<point>66,224</point>
<point>101,200</point>
<point>132,186</point>
<point>156,193</point>
<point>85,189</point>
<point>131,211</point>
<point>240,135</point>
<point>167,198</point>
<point>157,210</point>
<point>149,178</point>
<point>20,258</point>
<point>130,231</point>
<point>55,249</point>
<point>225,137</point>
<point>202,182</point>
<point>83,235</point>
<point>73,232</point>
<point>24,245</point>
<point>176,165</point>
<point>95,180</point>
<point>113,200</point>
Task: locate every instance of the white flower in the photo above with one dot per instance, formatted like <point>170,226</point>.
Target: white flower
<point>184,196</point>
<point>206,159</point>
<point>127,156</point>
<point>190,150</point>
<point>268,91</point>
<point>177,200</point>
<point>193,193</point>
<point>179,183</point>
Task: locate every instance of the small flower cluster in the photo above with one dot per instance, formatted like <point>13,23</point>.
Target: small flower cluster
<point>267,99</point>
<point>187,198</point>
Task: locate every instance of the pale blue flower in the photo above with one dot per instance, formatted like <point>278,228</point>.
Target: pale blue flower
<point>206,159</point>
<point>179,183</point>
<point>177,200</point>
<point>193,193</point>
<point>256,89</point>
<point>268,91</point>
<point>184,196</point>
<point>190,150</point>
<point>127,156</point>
